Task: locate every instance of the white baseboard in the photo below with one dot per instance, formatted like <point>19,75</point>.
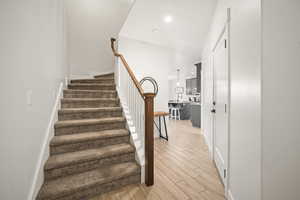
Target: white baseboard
<point>208,143</point>
<point>38,178</point>
<point>230,196</point>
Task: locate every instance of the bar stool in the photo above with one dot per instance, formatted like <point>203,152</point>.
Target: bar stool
<point>175,113</point>
<point>159,115</point>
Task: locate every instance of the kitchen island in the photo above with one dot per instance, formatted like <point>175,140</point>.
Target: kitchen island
<point>188,111</point>
<point>196,114</point>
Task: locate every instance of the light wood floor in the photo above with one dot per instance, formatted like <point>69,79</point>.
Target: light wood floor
<point>183,170</point>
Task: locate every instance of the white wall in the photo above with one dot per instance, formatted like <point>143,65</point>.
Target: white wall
<point>146,59</point>
<point>281,97</point>
<point>91,24</point>
<point>159,62</point>
<point>245,123</point>
<point>186,63</point>
<point>31,59</point>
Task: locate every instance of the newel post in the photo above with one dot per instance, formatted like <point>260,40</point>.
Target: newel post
<point>149,138</point>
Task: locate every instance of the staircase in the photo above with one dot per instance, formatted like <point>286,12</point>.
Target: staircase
<point>90,153</point>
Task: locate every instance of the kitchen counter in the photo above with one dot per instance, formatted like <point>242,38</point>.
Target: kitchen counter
<point>185,108</point>
<point>196,114</point>
<point>189,111</point>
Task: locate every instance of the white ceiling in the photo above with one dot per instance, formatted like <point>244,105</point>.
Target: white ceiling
<point>187,32</point>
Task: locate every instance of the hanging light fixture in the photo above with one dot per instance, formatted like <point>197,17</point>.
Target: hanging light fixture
<point>178,77</point>
<point>179,90</point>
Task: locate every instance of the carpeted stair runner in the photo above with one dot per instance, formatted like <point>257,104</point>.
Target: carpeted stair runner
<point>90,153</point>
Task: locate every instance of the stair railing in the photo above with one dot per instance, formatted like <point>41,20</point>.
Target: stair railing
<point>141,108</point>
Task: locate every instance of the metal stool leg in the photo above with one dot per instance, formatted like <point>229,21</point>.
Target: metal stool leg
<point>159,126</point>
<point>167,137</point>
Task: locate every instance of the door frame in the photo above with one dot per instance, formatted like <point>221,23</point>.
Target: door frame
<point>225,31</point>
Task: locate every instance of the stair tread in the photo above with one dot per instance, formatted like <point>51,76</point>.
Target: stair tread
<point>65,159</point>
<point>82,137</point>
<point>67,185</point>
<point>92,91</point>
<point>89,99</point>
<point>92,84</point>
<point>68,123</point>
<point>92,79</point>
<point>79,110</point>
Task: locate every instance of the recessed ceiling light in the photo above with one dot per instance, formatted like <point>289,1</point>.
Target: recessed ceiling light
<point>168,19</point>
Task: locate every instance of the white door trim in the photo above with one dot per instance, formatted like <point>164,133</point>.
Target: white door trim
<point>225,30</point>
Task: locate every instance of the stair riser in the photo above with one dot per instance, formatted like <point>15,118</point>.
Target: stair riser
<point>89,115</point>
<point>88,145</point>
<point>97,189</point>
<point>89,95</point>
<point>92,87</point>
<point>97,81</point>
<point>101,189</point>
<point>90,104</point>
<point>89,128</point>
<point>86,166</point>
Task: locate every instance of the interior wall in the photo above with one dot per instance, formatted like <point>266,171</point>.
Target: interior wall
<point>186,64</point>
<point>91,24</point>
<point>146,59</point>
<point>32,68</point>
<point>281,97</point>
<point>245,111</point>
<point>172,85</point>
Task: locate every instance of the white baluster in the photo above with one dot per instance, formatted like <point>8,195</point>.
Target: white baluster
<point>134,106</point>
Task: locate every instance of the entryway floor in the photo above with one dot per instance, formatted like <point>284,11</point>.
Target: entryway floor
<point>183,170</point>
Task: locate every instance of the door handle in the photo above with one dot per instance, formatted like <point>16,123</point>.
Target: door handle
<point>213,111</point>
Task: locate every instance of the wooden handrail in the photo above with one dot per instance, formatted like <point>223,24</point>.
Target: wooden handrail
<point>131,74</point>
<point>149,119</point>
